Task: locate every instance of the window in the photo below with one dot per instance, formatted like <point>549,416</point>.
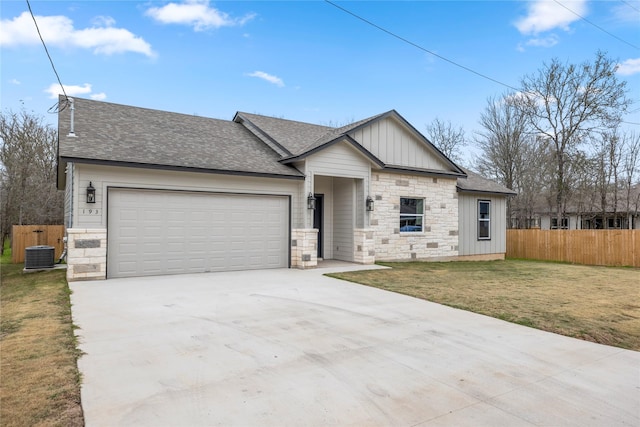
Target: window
<point>484,220</point>
<point>564,225</point>
<point>411,215</point>
<point>613,223</point>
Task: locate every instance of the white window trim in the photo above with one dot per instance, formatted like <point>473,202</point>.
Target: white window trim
<point>487,220</point>
<point>413,215</point>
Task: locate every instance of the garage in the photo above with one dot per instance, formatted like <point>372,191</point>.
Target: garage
<point>157,232</point>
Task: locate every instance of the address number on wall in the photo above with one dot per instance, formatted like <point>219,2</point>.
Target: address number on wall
<point>90,212</point>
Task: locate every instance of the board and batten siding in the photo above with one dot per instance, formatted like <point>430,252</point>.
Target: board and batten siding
<point>343,218</point>
<point>102,177</point>
<point>468,243</point>
<point>394,144</point>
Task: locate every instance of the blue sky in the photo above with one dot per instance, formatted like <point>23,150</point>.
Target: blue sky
<point>305,60</point>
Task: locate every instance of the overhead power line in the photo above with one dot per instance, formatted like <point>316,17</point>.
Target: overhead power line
<point>48,56</point>
<point>597,26</point>
<point>630,5</point>
<point>484,76</point>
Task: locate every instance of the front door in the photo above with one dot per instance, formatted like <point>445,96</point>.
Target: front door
<point>318,221</point>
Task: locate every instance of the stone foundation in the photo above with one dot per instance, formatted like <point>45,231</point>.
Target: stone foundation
<point>304,248</point>
<point>86,254</point>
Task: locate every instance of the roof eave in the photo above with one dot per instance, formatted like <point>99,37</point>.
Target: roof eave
<point>298,176</point>
<point>427,172</point>
<point>479,191</point>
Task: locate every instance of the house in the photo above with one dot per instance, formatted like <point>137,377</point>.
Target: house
<point>152,192</point>
<point>621,212</point>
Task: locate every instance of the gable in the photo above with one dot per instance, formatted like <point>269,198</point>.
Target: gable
<point>340,159</point>
<point>398,145</point>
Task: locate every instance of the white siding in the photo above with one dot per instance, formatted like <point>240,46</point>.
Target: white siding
<point>468,228</point>
<point>394,144</point>
<point>299,203</point>
<point>343,218</point>
<point>68,197</point>
<point>102,177</point>
<point>340,159</point>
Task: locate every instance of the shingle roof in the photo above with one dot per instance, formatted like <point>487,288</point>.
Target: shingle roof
<point>292,135</point>
<point>331,135</point>
<point>124,134</point>
<point>299,138</point>
<point>479,184</point>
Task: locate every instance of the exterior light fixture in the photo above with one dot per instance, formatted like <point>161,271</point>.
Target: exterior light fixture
<point>91,194</point>
<point>311,202</point>
<point>369,204</point>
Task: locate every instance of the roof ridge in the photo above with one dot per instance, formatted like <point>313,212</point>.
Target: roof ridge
<point>282,119</point>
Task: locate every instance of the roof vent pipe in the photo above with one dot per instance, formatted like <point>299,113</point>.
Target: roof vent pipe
<point>72,131</point>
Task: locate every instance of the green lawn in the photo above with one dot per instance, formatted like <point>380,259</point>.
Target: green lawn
<point>599,304</point>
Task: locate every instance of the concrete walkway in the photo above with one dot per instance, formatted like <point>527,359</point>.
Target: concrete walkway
<point>295,348</point>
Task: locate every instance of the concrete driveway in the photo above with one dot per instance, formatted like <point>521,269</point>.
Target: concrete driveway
<point>295,348</point>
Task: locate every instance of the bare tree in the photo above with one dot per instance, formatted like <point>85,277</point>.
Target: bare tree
<point>28,172</point>
<point>447,138</point>
<point>607,157</point>
<point>509,154</point>
<point>630,172</point>
<point>566,102</point>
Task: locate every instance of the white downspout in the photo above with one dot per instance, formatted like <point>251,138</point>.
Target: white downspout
<point>72,130</point>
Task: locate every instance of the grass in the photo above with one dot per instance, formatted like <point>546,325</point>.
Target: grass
<point>38,353</point>
<point>599,304</point>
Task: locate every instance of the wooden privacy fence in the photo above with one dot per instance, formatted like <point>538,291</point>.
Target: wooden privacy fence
<point>24,236</point>
<point>590,247</point>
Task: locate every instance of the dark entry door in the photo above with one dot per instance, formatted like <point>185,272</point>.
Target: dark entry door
<point>318,221</point>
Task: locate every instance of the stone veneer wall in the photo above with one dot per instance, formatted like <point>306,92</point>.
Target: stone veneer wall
<point>364,244</point>
<point>304,247</point>
<point>86,254</point>
<point>440,237</point>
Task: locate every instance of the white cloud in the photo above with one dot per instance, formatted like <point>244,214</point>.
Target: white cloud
<point>546,15</point>
<point>103,21</point>
<point>268,77</point>
<point>195,13</point>
<point>626,12</point>
<point>629,67</point>
<point>547,41</point>
<point>74,90</point>
<point>59,31</point>
<point>15,82</point>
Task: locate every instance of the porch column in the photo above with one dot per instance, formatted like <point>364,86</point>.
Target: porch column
<point>364,246</point>
<point>304,248</point>
<point>86,254</point>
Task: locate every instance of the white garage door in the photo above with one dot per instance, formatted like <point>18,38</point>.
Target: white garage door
<point>154,232</point>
